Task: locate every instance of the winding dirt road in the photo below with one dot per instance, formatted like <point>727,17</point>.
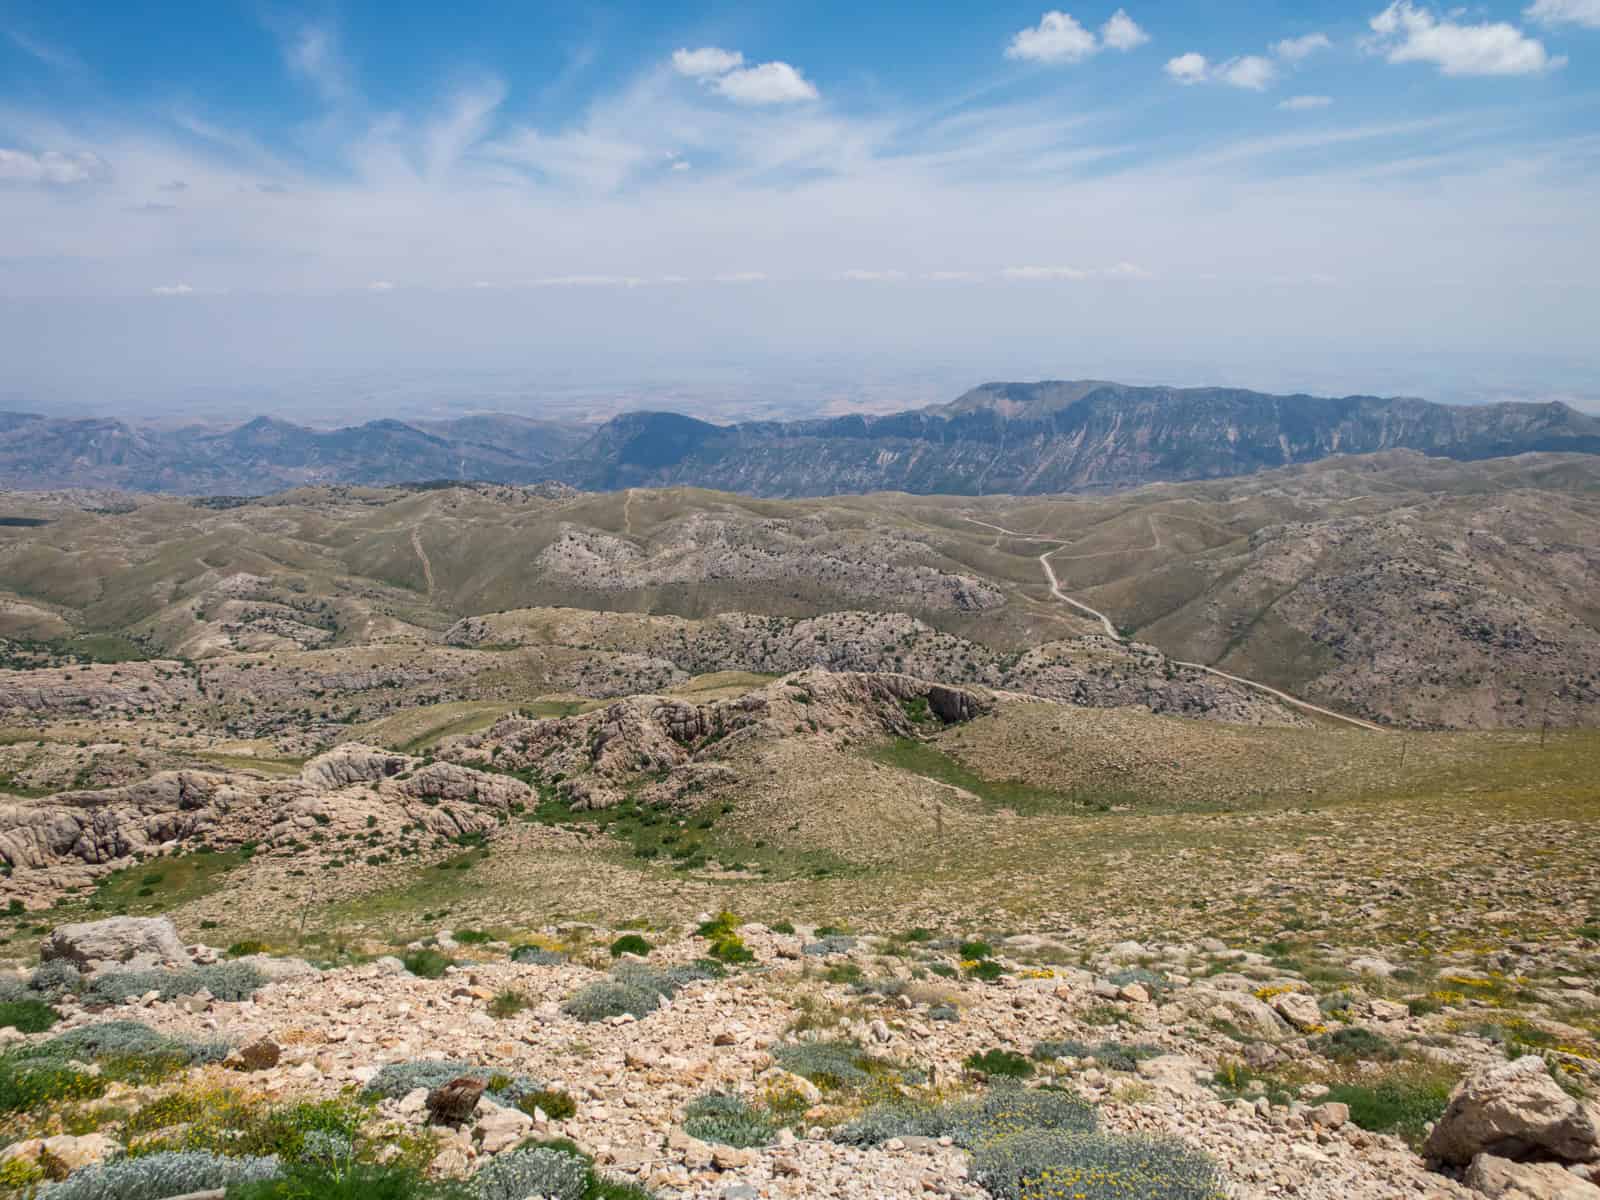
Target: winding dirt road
<point>1111,629</point>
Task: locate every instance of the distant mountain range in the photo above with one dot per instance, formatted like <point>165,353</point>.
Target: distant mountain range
<point>1021,438</point>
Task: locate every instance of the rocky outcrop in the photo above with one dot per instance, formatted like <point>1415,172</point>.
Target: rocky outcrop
<point>102,826</point>
<point>1515,1110</point>
<point>1502,1179</point>
<point>594,755</point>
<point>116,941</point>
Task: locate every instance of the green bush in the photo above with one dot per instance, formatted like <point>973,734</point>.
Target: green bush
<point>473,937</point>
<point>247,947</point>
<point>784,927</point>
<point>556,1105</point>
<point>630,943</point>
<point>507,1003</point>
<point>425,963</point>
<point>986,969</point>
<point>727,1120</point>
<point>157,1176</point>
<point>1050,1165</point>
<point>27,1016</point>
<point>730,948</point>
<point>1007,1064</point>
<point>975,949</point>
<point>1403,1102</point>
<point>349,1181</point>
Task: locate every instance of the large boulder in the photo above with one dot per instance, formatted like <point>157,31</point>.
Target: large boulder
<point>1502,1179</point>
<point>1514,1110</point>
<point>116,941</point>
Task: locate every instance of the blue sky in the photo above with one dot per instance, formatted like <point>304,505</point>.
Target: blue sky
<point>1157,175</point>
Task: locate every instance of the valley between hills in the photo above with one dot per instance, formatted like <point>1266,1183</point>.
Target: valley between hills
<point>1241,832</point>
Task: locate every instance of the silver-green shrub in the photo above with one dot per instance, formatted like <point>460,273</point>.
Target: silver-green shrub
<point>523,1173</point>
<point>1052,1165</point>
<point>157,1176</point>
<point>402,1078</point>
<point>727,1120</point>
<point>225,981</point>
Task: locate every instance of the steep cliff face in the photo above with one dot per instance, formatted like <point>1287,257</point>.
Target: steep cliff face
<point>1058,436</point>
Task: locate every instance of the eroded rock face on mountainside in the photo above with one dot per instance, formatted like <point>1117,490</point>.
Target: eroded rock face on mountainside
<point>353,790</point>
<point>590,759</point>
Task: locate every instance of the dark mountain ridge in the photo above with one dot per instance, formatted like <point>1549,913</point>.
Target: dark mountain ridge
<point>1022,438</point>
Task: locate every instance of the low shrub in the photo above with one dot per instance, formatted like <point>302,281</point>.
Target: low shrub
<point>730,948</point>
<point>986,970</point>
<point>27,1016</point>
<point>975,949</point>
<point>1050,1165</point>
<point>635,989</point>
<point>1150,981</point>
<point>537,956</point>
<point>557,1105</point>
<point>425,963</point>
<point>1007,1064</point>
<point>231,981</point>
<point>473,937</point>
<point>522,1173</point>
<point>400,1079</point>
<point>245,948</point>
<point>1113,1055</point>
<point>830,944</point>
<point>727,1120</point>
<point>1404,1101</point>
<point>1355,1044</point>
<point>346,1180</point>
<point>784,927</point>
<point>157,1176</point>
<point>507,1003</point>
<point>842,1066</point>
<point>944,1012</point>
<point>55,978</point>
<point>630,943</point>
<point>1000,1112</point>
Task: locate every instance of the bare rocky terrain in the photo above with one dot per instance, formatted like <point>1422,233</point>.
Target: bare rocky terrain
<point>496,842</point>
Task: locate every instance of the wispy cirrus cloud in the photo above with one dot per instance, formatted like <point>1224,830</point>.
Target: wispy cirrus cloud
<point>1551,13</point>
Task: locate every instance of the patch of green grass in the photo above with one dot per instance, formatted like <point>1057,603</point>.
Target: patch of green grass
<point>1403,1101</point>
<point>1004,1064</point>
<point>630,943</point>
<point>425,964</point>
<point>27,1016</point>
<point>182,879</point>
<point>507,1003</point>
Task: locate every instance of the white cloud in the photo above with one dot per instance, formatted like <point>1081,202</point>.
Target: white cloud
<point>1405,33</point>
<point>872,276</point>
<point>767,83</point>
<point>1564,12</point>
<point>1189,68</point>
<point>951,276</point>
<point>1298,48</point>
<point>587,281</point>
<point>172,289</point>
<point>1304,103</point>
<point>380,285</point>
<point>1120,32</point>
<point>52,168</point>
<point>1058,38</point>
<point>706,61</point>
<point>1247,71</point>
<point>680,164</point>
<point>741,277</point>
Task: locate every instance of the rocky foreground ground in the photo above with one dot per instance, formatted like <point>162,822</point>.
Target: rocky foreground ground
<point>747,1061</point>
